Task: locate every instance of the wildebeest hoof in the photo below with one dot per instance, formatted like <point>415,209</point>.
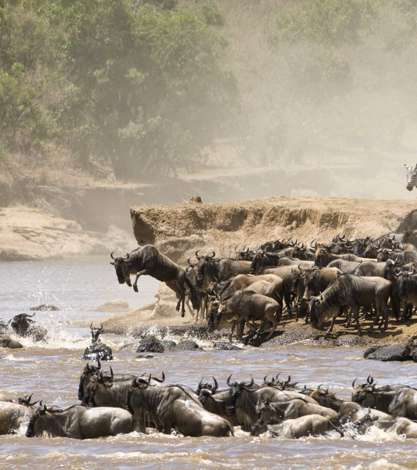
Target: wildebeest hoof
<point>135,288</point>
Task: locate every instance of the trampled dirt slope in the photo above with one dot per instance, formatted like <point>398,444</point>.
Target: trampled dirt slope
<point>179,229</point>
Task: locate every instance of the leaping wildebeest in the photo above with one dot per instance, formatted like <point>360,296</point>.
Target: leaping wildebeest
<point>148,260</point>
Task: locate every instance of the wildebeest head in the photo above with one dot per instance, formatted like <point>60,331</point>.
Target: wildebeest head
<point>364,394</point>
<point>27,401</point>
<point>35,419</point>
<point>259,261</point>
<point>325,398</point>
<point>311,281</point>
<point>87,374</point>
<point>95,333</point>
<point>316,312</point>
<point>122,269</point>
<point>322,256</point>
<point>236,388</point>
<point>22,323</point>
<point>206,386</point>
<point>206,268</point>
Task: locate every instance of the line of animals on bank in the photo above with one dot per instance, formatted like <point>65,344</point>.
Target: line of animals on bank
<point>372,277</point>
<point>121,403</point>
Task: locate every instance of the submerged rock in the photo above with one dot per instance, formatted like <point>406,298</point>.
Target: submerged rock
<point>226,346</point>
<point>44,308</point>
<point>187,345</point>
<point>150,344</point>
<point>169,345</point>
<point>391,352</point>
<point>7,342</point>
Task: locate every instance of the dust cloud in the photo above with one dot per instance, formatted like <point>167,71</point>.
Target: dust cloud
<point>326,86</point>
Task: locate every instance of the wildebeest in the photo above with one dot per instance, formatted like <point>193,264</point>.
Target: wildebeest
<point>217,401</point>
<point>172,407</point>
<point>98,389</point>
<point>148,260</point>
<point>23,325</point>
<point>316,280</point>
<point>323,257</point>
<point>14,414</point>
<point>370,396</point>
<point>347,267</point>
<point>97,349</point>
<point>241,281</point>
<point>404,403</point>
<point>247,306</point>
<point>310,425</point>
<point>247,395</point>
<point>212,269</point>
<point>79,422</point>
<point>352,292</point>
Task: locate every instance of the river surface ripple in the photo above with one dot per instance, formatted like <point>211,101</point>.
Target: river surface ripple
<point>51,372</point>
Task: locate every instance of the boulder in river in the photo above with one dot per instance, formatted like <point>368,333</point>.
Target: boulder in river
<point>187,345</point>
<point>150,344</point>
<point>7,342</point>
<point>225,346</point>
<point>390,352</point>
<point>44,308</point>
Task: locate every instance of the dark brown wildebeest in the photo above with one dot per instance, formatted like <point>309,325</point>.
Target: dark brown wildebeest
<point>351,292</point>
<point>147,260</point>
<point>247,306</point>
<point>79,422</point>
<point>172,407</point>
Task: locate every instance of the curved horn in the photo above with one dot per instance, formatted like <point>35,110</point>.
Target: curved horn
<point>212,255</point>
<point>228,380</point>
<point>216,385</point>
<point>112,255</point>
<point>353,383</point>
<point>288,380</point>
<point>162,379</point>
<point>197,255</point>
<point>251,383</point>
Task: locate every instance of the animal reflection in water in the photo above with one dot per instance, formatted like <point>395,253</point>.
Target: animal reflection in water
<point>97,350</point>
<point>120,403</point>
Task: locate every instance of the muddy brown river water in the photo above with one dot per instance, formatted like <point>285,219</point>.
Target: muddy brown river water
<point>51,371</point>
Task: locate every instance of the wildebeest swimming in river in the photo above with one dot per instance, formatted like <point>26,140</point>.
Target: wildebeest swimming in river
<point>23,325</point>
<point>97,349</point>
<point>147,260</point>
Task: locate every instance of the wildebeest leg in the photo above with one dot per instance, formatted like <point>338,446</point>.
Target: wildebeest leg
<point>355,314</point>
<point>241,327</point>
<point>140,273</point>
<point>330,329</point>
<point>232,329</point>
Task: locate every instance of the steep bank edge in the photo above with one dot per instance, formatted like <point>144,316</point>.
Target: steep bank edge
<point>179,229</point>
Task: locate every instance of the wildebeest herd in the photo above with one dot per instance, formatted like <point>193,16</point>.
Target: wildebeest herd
<point>118,404</point>
<point>375,278</point>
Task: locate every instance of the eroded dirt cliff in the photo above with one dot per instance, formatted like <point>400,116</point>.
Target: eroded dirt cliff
<point>180,229</point>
